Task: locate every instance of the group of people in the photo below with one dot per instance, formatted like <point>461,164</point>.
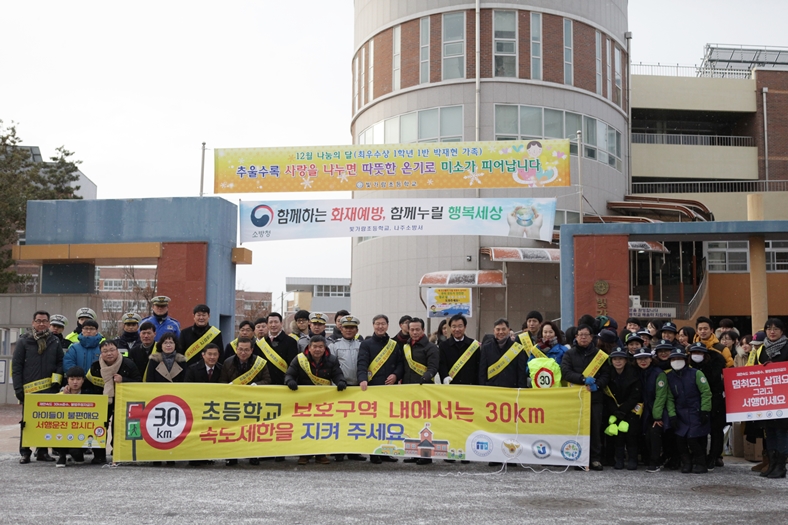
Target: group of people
<point>656,393</point>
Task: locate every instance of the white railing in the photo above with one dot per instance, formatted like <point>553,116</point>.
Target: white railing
<point>692,140</point>
<point>729,186</point>
<point>669,70</point>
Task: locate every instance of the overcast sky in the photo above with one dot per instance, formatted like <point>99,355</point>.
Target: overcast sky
<point>134,88</point>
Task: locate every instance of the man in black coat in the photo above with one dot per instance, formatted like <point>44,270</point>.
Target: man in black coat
<point>390,370</point>
<point>141,351</point>
<point>454,348</point>
<point>284,349</point>
<point>208,369</point>
<point>194,339</point>
<point>574,364</point>
<point>494,370</point>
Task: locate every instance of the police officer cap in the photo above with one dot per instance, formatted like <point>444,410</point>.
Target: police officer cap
<point>697,347</point>
<point>665,345</point>
<point>58,320</point>
<point>160,300</point>
<point>644,333</point>
<point>643,352</point>
<point>130,318</point>
<point>633,337</point>
<point>318,317</point>
<point>678,352</point>
<point>75,371</point>
<point>618,353</point>
<point>349,320</point>
<point>669,327</point>
<point>86,312</point>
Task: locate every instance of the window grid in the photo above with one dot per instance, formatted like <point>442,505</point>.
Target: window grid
<point>371,91</point>
<point>441,124</point>
<point>619,84</point>
<point>424,51</point>
<point>363,82</point>
<point>355,84</point>
<point>453,46</point>
<point>505,43</point>
<point>568,58</point>
<point>395,60</point>
<point>536,46</point>
<point>598,63</point>
<point>113,284</point>
<point>609,70</point>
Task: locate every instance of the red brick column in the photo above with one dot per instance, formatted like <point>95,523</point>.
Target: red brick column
<point>601,258</point>
<point>181,277</point>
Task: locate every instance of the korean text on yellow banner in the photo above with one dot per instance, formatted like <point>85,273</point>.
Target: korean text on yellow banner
<point>455,165</point>
<point>197,421</point>
<point>63,420</point>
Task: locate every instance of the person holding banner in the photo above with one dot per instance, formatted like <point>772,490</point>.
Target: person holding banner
<point>775,350</point>
<point>194,339</point>
<point>459,355</point>
<point>346,349</point>
<point>110,369</point>
<point>208,369</point>
<point>37,368</point>
<point>585,365</point>
<point>315,366</point>
<point>422,358</point>
<point>167,366</point>
<point>75,379</point>
<point>624,405</point>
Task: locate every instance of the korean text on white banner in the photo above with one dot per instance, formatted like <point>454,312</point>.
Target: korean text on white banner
<point>303,219</point>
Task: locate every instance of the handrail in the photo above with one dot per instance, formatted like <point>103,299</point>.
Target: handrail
<point>692,140</point>
<point>676,70</point>
<point>728,186</point>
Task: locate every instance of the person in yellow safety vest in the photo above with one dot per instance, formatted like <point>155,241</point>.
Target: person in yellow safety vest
<point>83,314</point>
<point>37,368</point>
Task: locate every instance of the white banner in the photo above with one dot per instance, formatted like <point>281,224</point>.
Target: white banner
<point>303,219</point>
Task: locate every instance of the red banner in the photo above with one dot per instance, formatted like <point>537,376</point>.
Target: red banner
<point>754,393</point>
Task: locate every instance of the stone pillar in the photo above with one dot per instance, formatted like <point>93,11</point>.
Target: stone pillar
<point>759,299</point>
<point>601,277</point>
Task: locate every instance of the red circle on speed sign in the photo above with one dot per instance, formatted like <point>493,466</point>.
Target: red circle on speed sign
<point>166,422</point>
<point>543,378</point>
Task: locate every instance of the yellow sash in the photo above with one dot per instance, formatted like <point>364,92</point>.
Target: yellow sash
<point>272,356</point>
<point>530,348</point>
<point>246,377</point>
<point>381,358</point>
<point>304,362</point>
<point>154,350</point>
<point>638,410</point>
<point>752,359</point>
<point>99,382</point>
<point>296,337</point>
<point>416,367</point>
<point>42,384</point>
<point>595,364</point>
<point>496,368</point>
<point>464,358</point>
<point>202,342</point>
<point>234,345</point>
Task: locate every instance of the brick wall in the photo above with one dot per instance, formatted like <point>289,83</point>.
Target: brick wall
<point>410,48</point>
<point>384,52</point>
<point>435,48</point>
<point>524,44</point>
<point>553,48</point>
<point>777,123</point>
<point>584,58</point>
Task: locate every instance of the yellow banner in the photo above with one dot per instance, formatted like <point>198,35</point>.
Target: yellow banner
<point>64,420</point>
<point>184,421</point>
<point>450,165</point>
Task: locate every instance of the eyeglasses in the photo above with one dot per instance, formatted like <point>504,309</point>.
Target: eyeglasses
<point>41,321</point>
<point>108,350</point>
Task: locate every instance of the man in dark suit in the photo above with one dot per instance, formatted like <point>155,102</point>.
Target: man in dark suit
<point>208,370</point>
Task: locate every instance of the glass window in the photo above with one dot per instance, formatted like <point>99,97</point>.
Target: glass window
<point>728,256</point>
<point>568,67</point>
<point>451,123</point>
<point>395,59</point>
<point>363,82</point>
<point>453,45</point>
<point>601,141</point>
<point>589,137</point>
<point>409,128</point>
<point>429,125</point>
<point>531,122</point>
<point>553,124</point>
<point>609,69</point>
<point>505,33</point>
<point>391,133</point>
<point>378,135</point>
<point>424,51</point>
<point>506,120</point>
<point>536,46</point>
<point>598,63</point>
<point>113,284</point>
<point>355,84</point>
<point>618,76</point>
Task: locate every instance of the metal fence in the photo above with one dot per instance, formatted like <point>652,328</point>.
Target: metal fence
<point>692,140</point>
<point>668,70</point>
<point>731,186</point>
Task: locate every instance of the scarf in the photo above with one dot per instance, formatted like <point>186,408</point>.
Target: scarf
<point>41,339</point>
<point>169,360</point>
<point>108,375</point>
<point>709,343</point>
<point>773,348</point>
<point>547,345</point>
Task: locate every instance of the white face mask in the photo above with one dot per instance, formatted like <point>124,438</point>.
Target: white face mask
<point>677,365</point>
<point>697,358</point>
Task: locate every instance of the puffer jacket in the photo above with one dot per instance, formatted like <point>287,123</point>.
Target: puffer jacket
<point>346,351</point>
<point>83,353</point>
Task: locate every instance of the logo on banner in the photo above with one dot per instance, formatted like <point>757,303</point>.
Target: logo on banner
<point>511,449</point>
<point>541,449</point>
<point>482,446</point>
<point>571,450</point>
<point>262,215</point>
